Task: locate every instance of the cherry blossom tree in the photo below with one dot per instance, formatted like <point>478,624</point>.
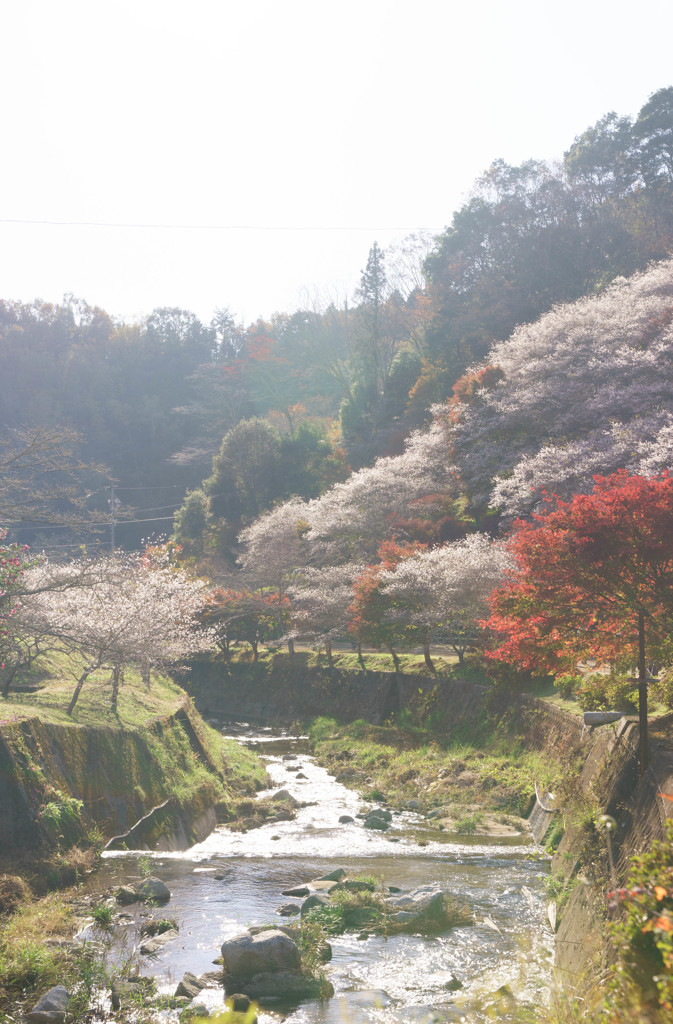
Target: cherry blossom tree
<point>444,591</point>
<point>350,519</point>
<point>376,617</point>
<point>321,601</point>
<point>125,611</point>
<point>274,548</point>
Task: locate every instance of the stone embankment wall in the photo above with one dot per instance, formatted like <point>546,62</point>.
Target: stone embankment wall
<point>609,783</point>
<point>299,694</point>
<point>114,772</point>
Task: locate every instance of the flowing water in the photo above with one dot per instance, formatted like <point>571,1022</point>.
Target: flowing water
<point>235,879</point>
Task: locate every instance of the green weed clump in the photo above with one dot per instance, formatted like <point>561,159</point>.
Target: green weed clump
<point>26,962</point>
<point>61,818</point>
<point>350,910</point>
<point>102,916</point>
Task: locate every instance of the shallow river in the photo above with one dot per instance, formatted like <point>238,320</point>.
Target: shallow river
<point>398,979</point>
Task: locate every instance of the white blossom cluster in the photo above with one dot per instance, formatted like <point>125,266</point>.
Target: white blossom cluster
<point>118,610</point>
<point>588,389</point>
<point>321,600</point>
<point>448,583</point>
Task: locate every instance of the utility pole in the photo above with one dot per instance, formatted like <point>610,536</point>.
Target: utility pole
<point>642,693</point>
<point>113,503</point>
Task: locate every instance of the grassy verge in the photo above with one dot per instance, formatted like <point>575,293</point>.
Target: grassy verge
<point>345,661</point>
<point>56,674</point>
<point>401,763</point>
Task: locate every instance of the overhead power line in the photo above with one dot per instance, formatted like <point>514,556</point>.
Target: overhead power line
<point>215,227</point>
<point>79,526</point>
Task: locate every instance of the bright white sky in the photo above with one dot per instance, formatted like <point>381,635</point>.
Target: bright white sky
<point>275,140</point>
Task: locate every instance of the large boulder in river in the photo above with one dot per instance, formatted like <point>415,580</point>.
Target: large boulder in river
<point>424,900</point>
<point>286,987</point>
<point>269,951</point>
<point>51,1008</point>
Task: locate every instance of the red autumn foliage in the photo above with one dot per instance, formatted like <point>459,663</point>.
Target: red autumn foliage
<point>584,571</point>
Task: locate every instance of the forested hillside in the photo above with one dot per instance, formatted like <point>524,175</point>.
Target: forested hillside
<point>245,416</point>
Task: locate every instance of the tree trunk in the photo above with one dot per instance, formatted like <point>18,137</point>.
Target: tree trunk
<point>78,688</point>
<point>427,658</point>
<point>328,652</point>
<point>116,679</point>
<point>9,679</point>
<point>255,651</point>
<point>290,648</point>
<point>146,673</point>
<point>396,660</point>
<point>642,694</point>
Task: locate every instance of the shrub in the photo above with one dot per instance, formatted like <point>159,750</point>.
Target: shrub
<point>608,693</point>
<point>567,685</point>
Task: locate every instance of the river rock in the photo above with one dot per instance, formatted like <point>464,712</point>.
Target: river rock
<point>299,890</point>
<point>190,986</point>
<point>289,757</point>
<point>379,812</point>
<point>284,794</point>
<point>293,767</point>
<point>426,899</point>
<point>154,944</point>
<point>211,979</point>
<point>379,824</point>
<point>249,823</point>
<point>195,1009</point>
<point>288,910</point>
<point>238,1002</point>
<point>283,814</point>
<point>414,804</point>
<point>51,1007</point>
<point>153,889</point>
<point>269,951</point>
<point>125,895</point>
<point>300,775</point>
<point>333,876</point>
<point>403,917</point>
<point>316,899</point>
<point>345,819</point>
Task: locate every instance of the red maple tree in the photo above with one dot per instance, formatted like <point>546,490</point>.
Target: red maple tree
<point>593,577</point>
